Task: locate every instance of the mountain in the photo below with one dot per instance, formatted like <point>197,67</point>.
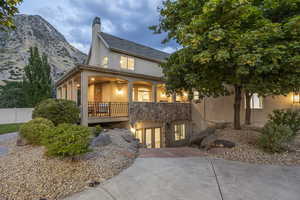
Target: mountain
<point>33,30</point>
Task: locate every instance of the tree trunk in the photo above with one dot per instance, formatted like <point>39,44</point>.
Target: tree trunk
<point>248,108</point>
<point>237,106</point>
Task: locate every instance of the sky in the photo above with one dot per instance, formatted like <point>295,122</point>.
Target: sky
<point>128,19</point>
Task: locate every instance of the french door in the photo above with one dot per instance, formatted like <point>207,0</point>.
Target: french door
<point>150,137</point>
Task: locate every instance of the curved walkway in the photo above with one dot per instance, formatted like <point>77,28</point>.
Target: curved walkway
<point>197,178</point>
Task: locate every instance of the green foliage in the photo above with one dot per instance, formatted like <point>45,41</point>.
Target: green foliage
<point>12,95</point>
<point>35,130</point>
<point>8,8</point>
<point>274,136</point>
<point>37,79</point>
<point>249,45</point>
<point>97,130</point>
<point>58,111</point>
<point>67,140</point>
<point>289,118</point>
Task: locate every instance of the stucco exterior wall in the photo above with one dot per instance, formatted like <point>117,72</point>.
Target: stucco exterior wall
<point>15,115</point>
<point>221,110</point>
<point>99,50</point>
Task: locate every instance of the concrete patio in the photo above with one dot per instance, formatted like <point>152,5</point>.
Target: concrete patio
<point>197,178</point>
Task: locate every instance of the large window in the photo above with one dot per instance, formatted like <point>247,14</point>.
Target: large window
<point>179,130</point>
<point>127,62</point>
<point>144,95</point>
<point>105,62</point>
<point>256,102</point>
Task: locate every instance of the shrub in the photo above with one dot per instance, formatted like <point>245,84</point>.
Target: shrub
<point>67,140</point>
<point>34,130</point>
<point>58,111</point>
<point>97,130</point>
<point>290,118</point>
<point>274,136</point>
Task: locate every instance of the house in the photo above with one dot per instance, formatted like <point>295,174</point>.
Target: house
<point>121,83</point>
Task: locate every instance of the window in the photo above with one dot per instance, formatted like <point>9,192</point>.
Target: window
<point>196,95</point>
<point>127,63</point>
<point>179,130</point>
<point>144,95</point>
<point>256,102</point>
<point>105,62</point>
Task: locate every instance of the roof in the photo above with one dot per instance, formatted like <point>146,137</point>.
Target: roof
<point>82,67</point>
<point>132,48</point>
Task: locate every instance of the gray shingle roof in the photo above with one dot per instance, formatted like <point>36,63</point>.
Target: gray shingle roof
<point>133,48</point>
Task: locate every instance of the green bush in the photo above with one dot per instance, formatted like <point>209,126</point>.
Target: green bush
<point>67,140</point>
<point>274,136</point>
<point>290,118</point>
<point>58,111</point>
<point>34,130</point>
<point>97,130</point>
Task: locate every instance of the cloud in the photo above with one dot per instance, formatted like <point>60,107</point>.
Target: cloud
<point>128,19</point>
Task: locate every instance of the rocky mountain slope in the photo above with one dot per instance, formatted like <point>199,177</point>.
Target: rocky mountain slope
<point>33,30</point>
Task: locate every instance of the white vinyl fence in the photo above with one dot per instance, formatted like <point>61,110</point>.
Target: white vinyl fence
<point>15,115</point>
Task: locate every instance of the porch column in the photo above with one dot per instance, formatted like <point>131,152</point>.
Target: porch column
<point>174,98</point>
<point>154,92</point>
<point>84,98</point>
<point>130,86</point>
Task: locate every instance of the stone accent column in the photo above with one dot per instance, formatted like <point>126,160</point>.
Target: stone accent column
<point>84,99</point>
<point>154,92</point>
<point>130,86</point>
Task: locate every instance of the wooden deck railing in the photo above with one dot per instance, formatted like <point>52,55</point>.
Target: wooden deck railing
<point>108,109</point>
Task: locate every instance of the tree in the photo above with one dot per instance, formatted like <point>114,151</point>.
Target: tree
<point>8,8</point>
<point>12,95</point>
<point>231,46</point>
<point>37,79</point>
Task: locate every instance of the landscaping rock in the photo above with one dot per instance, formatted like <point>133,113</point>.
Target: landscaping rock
<point>102,140</point>
<point>224,143</point>
<point>196,139</point>
<point>208,141</point>
<point>128,138</point>
<point>21,141</point>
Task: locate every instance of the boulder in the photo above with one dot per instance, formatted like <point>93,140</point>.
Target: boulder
<point>208,141</point>
<point>224,143</point>
<point>128,138</point>
<point>102,140</point>
<point>21,141</point>
<point>196,139</point>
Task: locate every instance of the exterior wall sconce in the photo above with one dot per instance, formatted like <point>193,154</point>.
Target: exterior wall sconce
<point>93,79</point>
<point>119,91</point>
<point>296,97</point>
<point>78,85</point>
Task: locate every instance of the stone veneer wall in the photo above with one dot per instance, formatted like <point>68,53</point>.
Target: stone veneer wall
<point>166,113</point>
<point>159,112</point>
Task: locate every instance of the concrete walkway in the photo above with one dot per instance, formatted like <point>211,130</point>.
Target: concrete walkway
<point>197,178</point>
<point>4,137</point>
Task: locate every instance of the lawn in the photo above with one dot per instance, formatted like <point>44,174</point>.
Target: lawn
<point>9,128</point>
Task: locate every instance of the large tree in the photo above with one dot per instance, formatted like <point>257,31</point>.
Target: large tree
<point>8,8</point>
<point>231,44</point>
<point>12,95</point>
<point>37,79</point>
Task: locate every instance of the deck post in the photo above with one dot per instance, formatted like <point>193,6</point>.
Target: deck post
<point>130,86</point>
<point>84,98</point>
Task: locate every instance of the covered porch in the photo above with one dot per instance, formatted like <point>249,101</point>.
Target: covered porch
<point>104,95</point>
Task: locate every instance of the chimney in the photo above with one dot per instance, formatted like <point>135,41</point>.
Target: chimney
<point>96,27</point>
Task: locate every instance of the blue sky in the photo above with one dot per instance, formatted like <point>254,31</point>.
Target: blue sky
<point>128,19</point>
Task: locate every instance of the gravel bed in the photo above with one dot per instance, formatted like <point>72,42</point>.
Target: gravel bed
<point>25,172</point>
<point>247,150</point>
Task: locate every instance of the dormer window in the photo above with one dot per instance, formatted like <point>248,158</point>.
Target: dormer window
<point>127,63</point>
<point>105,62</point>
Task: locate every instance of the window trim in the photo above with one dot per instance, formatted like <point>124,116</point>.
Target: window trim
<point>185,130</point>
<point>127,63</point>
<point>252,102</point>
